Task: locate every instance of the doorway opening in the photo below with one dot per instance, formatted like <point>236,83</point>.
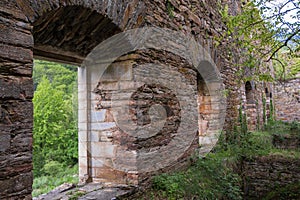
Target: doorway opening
<point>66,34</point>
<point>55,134</point>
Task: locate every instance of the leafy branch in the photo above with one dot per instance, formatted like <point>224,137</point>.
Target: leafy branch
<point>262,31</point>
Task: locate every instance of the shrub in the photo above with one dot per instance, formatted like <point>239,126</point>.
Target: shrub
<point>209,178</point>
<point>44,184</point>
<point>53,167</point>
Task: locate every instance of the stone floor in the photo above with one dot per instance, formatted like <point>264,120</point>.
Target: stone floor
<point>91,191</point>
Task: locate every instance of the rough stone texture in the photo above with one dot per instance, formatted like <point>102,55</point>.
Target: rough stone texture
<point>287,100</point>
<point>89,191</point>
<point>252,96</point>
<point>15,103</point>
<point>203,21</point>
<point>119,157</point>
<point>264,174</point>
<point>66,31</point>
<point>143,91</point>
<point>63,31</point>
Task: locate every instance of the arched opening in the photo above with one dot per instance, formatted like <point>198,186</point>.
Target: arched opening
<point>266,91</point>
<point>204,105</point>
<point>55,134</point>
<point>60,31</point>
<point>249,93</point>
<point>251,105</point>
<point>211,106</point>
<point>67,35</point>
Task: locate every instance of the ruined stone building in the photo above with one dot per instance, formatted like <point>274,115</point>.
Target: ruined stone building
<point>177,72</point>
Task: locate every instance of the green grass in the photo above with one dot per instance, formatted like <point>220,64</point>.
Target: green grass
<point>208,178</point>
<point>45,184</point>
<point>283,128</point>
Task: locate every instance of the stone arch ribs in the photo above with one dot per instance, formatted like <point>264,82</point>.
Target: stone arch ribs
<point>68,34</point>
<point>66,31</point>
<point>211,106</point>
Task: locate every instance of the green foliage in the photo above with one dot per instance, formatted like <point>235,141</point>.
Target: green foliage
<point>288,68</point>
<point>60,76</point>
<point>279,127</point>
<point>53,167</point>
<point>294,69</point>
<point>272,112</point>
<point>170,9</point>
<point>217,176</point>
<point>170,184</point>
<point>76,194</point>
<point>257,119</point>
<point>291,192</point>
<point>242,145</point>
<point>246,145</point>
<point>263,30</point>
<point>264,111</point>
<point>55,121</point>
<point>260,143</point>
<point>44,184</point>
<point>243,121</point>
<point>208,178</point>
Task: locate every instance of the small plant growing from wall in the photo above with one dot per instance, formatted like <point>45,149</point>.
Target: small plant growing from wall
<point>170,9</point>
<point>258,117</point>
<point>264,112</point>
<point>271,111</point>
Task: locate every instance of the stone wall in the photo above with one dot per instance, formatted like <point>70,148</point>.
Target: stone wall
<point>264,174</point>
<point>132,132</point>
<point>16,108</point>
<point>202,20</point>
<point>66,31</point>
<point>287,100</point>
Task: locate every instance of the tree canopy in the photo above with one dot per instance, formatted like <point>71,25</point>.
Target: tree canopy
<point>55,115</point>
<point>268,32</point>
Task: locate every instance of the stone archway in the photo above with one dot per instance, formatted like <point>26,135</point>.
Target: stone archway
<point>252,112</point>
<point>61,31</point>
<point>250,93</point>
<point>65,31</point>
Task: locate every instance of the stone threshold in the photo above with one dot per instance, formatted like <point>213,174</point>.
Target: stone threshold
<point>90,191</point>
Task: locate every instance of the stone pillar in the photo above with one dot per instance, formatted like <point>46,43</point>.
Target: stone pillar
<point>106,156</point>
<point>83,125</point>
<point>100,159</point>
<point>16,110</point>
